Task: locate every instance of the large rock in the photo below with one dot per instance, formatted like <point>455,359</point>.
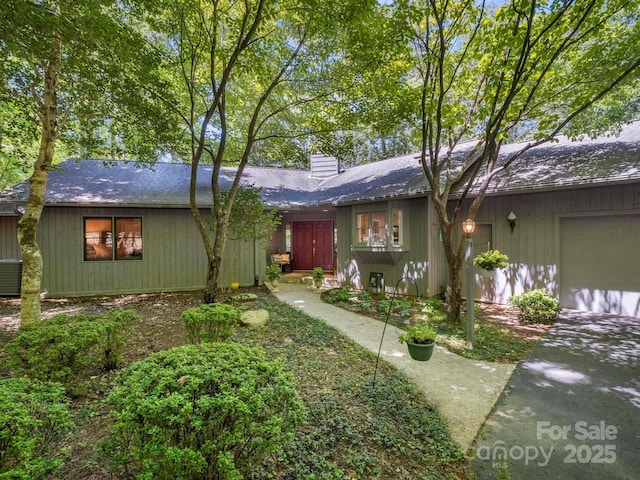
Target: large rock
<point>244,297</point>
<point>254,317</point>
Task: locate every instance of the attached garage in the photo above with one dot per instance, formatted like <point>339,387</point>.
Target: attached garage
<point>600,263</point>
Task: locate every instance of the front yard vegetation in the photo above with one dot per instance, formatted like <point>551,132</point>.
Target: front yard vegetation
<point>498,335</point>
<point>309,409</point>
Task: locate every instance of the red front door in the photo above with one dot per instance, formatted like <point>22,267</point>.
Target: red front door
<point>312,245</point>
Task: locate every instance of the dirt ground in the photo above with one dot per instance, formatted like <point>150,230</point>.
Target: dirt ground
<point>159,327</point>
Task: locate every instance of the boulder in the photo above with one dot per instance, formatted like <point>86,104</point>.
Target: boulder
<point>244,297</point>
<point>254,317</point>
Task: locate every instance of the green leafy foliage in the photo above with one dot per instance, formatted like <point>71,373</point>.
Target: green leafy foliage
<point>211,322</point>
<point>490,260</point>
<point>492,342</point>
<point>273,272</point>
<point>418,333</point>
<point>249,220</point>
<point>536,306</point>
<point>363,301</point>
<point>318,273</point>
<point>33,416</point>
<point>65,348</point>
<point>434,310</point>
<point>400,307</point>
<point>208,411</point>
<point>341,294</point>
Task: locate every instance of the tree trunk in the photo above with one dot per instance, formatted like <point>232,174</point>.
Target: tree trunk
<point>28,224</point>
<point>455,295</point>
<point>211,286</point>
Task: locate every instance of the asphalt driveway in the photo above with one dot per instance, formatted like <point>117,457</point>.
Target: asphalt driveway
<point>571,409</point>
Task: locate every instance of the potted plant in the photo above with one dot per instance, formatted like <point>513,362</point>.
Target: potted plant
<point>420,340</point>
<point>318,276</point>
<point>490,260</point>
<point>274,273</point>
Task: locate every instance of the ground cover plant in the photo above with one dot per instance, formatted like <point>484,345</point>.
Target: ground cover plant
<point>498,336</point>
<point>352,430</point>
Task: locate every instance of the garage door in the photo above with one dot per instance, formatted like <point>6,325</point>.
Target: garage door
<point>600,264</point>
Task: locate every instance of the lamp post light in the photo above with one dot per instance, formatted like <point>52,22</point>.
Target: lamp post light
<point>468,227</point>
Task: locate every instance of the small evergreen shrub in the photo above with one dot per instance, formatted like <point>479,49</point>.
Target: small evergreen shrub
<point>201,411</point>
<point>536,306</point>
<point>211,322</point>
<point>65,348</point>
<point>33,416</point>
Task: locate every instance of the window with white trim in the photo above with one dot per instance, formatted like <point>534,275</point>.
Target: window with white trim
<point>373,230</point>
<point>396,228</point>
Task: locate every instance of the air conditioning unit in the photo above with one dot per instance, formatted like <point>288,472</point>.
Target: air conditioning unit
<point>10,277</point>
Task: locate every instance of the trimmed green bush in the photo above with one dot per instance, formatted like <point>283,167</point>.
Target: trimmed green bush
<point>536,306</point>
<point>33,415</point>
<point>211,322</point>
<point>201,411</point>
<point>66,348</point>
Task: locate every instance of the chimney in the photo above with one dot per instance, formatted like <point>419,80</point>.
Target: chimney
<point>324,166</point>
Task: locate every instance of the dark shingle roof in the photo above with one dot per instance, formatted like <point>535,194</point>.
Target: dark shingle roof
<point>554,165</point>
<point>83,182</point>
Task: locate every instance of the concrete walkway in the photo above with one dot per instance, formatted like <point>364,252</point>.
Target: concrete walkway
<point>464,390</point>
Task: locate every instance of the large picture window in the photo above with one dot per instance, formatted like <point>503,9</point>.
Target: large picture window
<point>112,238</point>
<point>373,229</point>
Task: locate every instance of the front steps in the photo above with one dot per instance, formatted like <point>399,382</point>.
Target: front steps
<point>306,278</point>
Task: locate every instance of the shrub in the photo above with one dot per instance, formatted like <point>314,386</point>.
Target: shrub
<point>201,411</point>
<point>341,294</point>
<point>212,322</point>
<point>65,348</point>
<point>536,306</point>
<point>33,415</point>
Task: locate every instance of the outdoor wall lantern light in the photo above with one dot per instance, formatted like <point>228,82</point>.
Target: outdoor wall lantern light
<point>468,227</point>
<point>512,220</point>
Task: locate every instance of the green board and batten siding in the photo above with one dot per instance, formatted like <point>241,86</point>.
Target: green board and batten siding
<point>416,261</point>
<point>542,241</point>
<point>8,241</point>
<point>173,256</point>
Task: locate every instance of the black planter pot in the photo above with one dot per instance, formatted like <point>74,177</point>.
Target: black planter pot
<point>421,351</point>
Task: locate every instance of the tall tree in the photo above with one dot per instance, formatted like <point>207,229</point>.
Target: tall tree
<point>242,69</point>
<point>71,73</point>
<point>483,74</point>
